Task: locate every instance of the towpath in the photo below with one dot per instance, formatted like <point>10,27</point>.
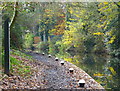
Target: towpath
<point>57,76</point>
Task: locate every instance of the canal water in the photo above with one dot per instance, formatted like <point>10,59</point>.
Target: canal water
<point>103,68</point>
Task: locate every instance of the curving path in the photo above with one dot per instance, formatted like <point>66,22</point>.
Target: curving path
<point>57,76</point>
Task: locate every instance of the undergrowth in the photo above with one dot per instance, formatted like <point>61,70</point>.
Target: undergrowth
<point>19,63</point>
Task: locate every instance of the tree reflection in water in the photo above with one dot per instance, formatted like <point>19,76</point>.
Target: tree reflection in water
<point>98,67</point>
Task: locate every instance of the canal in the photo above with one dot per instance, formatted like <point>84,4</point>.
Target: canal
<point>103,68</point>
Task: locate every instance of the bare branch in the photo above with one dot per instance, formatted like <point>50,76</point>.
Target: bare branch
<point>14,15</point>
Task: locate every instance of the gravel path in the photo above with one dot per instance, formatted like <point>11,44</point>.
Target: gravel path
<point>57,76</point>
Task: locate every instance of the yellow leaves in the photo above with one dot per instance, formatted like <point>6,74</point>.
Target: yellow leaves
<point>67,41</point>
<point>112,70</point>
<point>74,11</point>
<point>103,8</point>
<point>99,26</point>
<point>49,15</point>
<point>76,45</point>
<point>71,11</point>
<point>68,22</point>
<point>51,31</point>
<point>77,61</point>
<point>104,23</point>
<point>118,3</point>
<point>105,3</point>
<point>58,42</point>
<point>77,15</point>
<point>62,15</point>
<point>68,59</point>
<point>98,74</point>
<point>68,37</point>
<point>77,11</point>
<point>46,22</point>
<point>82,23</point>
<point>108,10</point>
<point>62,25</point>
<point>98,33</point>
<point>57,31</point>
<point>100,4</point>
<point>72,19</point>
<point>72,29</point>
<point>74,4</point>
<point>71,35</point>
<point>111,40</point>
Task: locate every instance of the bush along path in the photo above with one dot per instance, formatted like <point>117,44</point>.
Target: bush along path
<point>49,73</point>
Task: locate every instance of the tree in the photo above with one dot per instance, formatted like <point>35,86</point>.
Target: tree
<point>111,23</point>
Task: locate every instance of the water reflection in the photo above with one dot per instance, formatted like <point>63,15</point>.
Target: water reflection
<point>104,69</point>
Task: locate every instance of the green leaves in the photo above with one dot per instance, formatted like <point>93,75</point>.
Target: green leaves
<point>28,40</point>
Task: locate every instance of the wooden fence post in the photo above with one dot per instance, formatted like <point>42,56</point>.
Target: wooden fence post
<point>7,47</point>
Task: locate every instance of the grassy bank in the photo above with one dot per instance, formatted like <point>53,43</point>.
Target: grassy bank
<point>19,63</point>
